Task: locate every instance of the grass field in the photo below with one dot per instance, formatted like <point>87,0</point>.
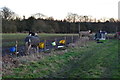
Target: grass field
<point>92,61</point>
<point>9,39</point>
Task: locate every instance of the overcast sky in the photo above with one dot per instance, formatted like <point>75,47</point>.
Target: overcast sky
<point>59,8</point>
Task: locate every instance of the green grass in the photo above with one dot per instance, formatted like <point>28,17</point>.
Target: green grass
<point>92,61</point>
<point>9,39</point>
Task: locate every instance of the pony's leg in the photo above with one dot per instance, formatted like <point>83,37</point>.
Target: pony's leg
<point>26,48</point>
<point>29,47</point>
<point>37,49</point>
<point>34,48</point>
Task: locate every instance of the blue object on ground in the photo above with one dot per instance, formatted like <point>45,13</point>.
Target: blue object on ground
<point>12,49</point>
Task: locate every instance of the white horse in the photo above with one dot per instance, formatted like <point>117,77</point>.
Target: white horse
<point>85,33</point>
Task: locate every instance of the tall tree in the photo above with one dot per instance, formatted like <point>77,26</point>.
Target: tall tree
<point>72,17</point>
<point>112,20</point>
<point>7,13</point>
<point>29,22</point>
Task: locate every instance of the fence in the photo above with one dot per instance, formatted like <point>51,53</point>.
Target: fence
<point>47,45</point>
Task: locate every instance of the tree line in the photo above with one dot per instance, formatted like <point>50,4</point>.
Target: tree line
<point>40,23</point>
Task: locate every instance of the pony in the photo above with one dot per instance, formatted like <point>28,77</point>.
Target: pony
<point>85,34</point>
<point>31,41</point>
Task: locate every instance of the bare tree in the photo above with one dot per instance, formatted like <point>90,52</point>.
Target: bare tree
<point>7,13</point>
<point>72,17</point>
<point>50,18</point>
<point>86,18</point>
<point>112,20</point>
<point>40,16</point>
<point>80,18</point>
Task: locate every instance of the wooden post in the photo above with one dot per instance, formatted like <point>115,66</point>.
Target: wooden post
<point>72,38</point>
<point>65,40</point>
<point>16,47</point>
<point>45,44</point>
<point>55,42</point>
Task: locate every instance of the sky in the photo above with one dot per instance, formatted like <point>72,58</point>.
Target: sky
<point>58,9</point>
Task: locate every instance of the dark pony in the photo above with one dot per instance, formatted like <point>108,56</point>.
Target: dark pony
<point>31,41</point>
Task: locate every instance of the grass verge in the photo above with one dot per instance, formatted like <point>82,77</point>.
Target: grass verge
<point>92,61</point>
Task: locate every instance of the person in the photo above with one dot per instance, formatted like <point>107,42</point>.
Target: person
<point>31,33</point>
<point>97,36</point>
<point>117,35</point>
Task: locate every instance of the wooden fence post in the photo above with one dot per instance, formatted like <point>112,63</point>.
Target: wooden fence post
<point>45,44</point>
<point>16,45</point>
<point>65,40</point>
<point>72,38</point>
<point>55,43</point>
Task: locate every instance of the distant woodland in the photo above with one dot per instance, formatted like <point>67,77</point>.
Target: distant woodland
<point>12,23</point>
